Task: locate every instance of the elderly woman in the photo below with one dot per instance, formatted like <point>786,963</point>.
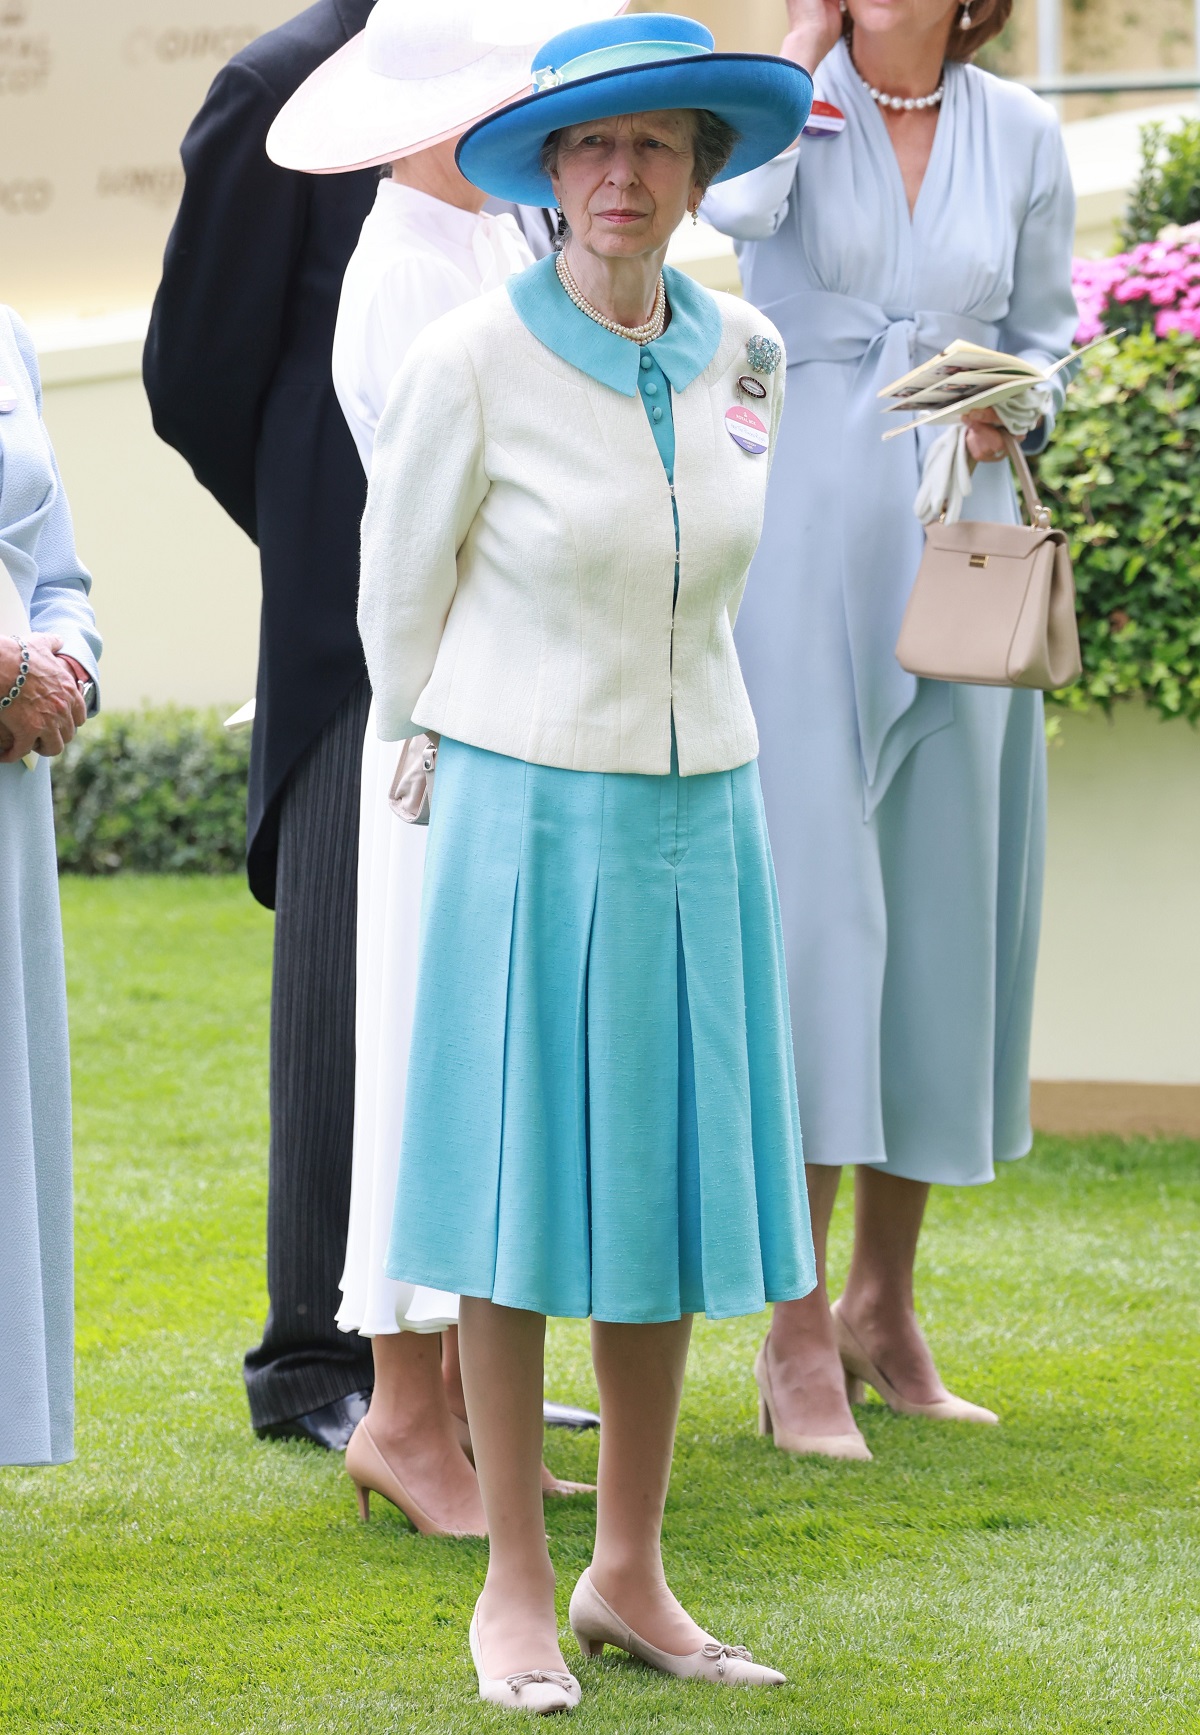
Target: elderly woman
<point>399,96</point>
<point>567,488</point>
<point>48,652</point>
<point>908,817</point>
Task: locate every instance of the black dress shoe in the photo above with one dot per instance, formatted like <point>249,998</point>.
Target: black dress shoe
<point>331,1426</point>
<point>567,1416</point>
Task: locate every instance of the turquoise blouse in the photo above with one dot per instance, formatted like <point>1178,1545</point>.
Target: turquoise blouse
<point>655,369</point>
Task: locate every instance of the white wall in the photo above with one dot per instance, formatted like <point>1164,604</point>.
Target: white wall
<point>1119,979</point>
<point>176,587</point>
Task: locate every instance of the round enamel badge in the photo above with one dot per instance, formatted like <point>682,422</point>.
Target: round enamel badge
<point>747,430</point>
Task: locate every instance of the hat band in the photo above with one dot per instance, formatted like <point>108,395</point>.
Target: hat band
<point>620,57</point>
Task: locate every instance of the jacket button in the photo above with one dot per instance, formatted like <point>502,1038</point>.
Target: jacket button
<point>656,412</point>
<point>650,389</point>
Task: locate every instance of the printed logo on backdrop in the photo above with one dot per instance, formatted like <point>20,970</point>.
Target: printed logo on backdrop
<point>26,198</point>
<point>181,43</point>
<point>25,56</point>
<point>159,184</point>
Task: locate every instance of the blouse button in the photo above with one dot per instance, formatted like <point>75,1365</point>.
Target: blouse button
<point>647,362</point>
<point>656,412</point>
<point>650,389</point>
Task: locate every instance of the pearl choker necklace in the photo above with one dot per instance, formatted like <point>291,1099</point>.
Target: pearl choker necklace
<point>903,102</point>
<point>642,334</point>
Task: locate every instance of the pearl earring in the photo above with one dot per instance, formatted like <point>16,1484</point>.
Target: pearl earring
<point>964,22</point>
<point>696,217</point>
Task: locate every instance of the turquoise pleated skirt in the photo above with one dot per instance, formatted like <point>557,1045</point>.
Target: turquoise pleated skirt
<point>601,1115</point>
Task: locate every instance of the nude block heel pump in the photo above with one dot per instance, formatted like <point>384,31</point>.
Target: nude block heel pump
<point>801,1445</point>
<point>861,1371</point>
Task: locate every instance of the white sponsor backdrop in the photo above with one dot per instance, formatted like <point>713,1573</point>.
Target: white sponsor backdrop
<point>95,96</point>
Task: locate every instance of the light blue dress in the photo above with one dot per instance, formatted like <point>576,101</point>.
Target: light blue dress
<point>36,1274</point>
<point>907,818</point>
<point>601,1114</point>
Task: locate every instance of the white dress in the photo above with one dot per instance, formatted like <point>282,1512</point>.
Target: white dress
<point>417,258</point>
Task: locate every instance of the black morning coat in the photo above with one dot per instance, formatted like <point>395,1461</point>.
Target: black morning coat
<point>237,370</point>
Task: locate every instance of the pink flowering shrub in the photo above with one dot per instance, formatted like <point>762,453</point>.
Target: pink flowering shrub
<point>1156,284</point>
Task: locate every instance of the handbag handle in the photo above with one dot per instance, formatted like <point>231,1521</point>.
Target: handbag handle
<point>1039,515</point>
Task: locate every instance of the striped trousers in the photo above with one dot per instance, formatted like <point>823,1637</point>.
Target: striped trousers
<point>304,1361</point>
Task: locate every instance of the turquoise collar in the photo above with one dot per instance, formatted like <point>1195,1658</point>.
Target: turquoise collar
<point>683,351</point>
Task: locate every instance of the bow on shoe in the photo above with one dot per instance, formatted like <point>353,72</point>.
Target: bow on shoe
<point>719,1654</point>
<point>538,1677</point>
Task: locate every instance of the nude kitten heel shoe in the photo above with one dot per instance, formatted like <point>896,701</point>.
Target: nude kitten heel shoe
<point>861,1371</point>
<point>539,1692</point>
<point>596,1625</point>
<point>371,1474</point>
<point>801,1445</point>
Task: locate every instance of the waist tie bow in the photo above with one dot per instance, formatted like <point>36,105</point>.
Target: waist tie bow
<point>881,539</point>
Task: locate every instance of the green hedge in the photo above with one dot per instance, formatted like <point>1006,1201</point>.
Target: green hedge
<point>153,791</point>
<point>1123,471</point>
<point>1168,186</point>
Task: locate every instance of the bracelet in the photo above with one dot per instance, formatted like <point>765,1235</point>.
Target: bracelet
<point>15,690</point>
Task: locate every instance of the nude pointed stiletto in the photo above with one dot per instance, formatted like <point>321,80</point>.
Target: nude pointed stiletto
<point>539,1692</point>
<point>371,1473</point>
<point>595,1625</point>
<point>848,1446</point>
<point>862,1370</point>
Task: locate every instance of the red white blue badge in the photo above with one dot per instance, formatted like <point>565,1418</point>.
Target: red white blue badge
<point>824,122</point>
<point>746,430</point>
<point>8,398</point>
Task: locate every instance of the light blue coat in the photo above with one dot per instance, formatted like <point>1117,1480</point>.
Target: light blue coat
<point>907,818</point>
<point>36,1276</point>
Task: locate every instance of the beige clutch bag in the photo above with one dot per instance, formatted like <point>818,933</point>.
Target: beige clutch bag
<point>412,786</point>
<point>994,604</point>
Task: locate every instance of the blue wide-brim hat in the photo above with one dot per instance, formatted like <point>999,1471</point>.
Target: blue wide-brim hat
<point>635,65</point>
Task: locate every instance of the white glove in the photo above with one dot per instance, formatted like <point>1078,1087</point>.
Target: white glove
<point>1025,409</point>
<point>945,477</point>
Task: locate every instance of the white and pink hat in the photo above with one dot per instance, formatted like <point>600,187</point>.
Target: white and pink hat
<point>421,72</point>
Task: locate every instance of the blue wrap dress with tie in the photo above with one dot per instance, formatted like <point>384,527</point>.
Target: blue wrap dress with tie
<point>907,817</point>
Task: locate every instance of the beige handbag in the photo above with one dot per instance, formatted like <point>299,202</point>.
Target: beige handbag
<point>994,604</point>
<point>412,786</point>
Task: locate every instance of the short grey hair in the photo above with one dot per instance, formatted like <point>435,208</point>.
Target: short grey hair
<point>713,143</point>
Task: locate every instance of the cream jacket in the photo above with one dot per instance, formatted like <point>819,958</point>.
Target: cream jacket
<point>519,553</point>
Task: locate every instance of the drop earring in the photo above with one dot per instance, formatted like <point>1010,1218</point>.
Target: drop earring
<point>696,217</point>
<point>964,22</point>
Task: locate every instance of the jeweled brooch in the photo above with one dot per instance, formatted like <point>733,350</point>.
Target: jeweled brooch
<point>764,353</point>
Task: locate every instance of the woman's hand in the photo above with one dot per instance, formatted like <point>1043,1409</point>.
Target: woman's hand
<point>813,29</point>
<point>985,436</point>
<point>49,708</point>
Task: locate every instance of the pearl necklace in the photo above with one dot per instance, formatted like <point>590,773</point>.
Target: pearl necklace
<point>654,326</point>
<point>902,102</point>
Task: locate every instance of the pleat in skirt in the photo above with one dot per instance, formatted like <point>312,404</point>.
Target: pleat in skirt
<point>601,1111</point>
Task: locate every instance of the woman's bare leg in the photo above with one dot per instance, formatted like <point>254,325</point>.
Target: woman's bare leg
<point>452,1373</point>
<point>411,1424</point>
<point>456,1398</point>
<point>877,1303</point>
<point>806,1371</point>
<point>502,1351</point>
<point>639,1369</point>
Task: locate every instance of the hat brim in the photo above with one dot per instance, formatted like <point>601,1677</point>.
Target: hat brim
<point>765,98</point>
<point>344,116</point>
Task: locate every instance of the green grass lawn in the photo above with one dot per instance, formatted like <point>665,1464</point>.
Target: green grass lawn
<point>1041,1577</point>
